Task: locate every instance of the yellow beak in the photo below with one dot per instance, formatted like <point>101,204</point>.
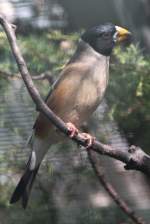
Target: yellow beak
<point>122,34</point>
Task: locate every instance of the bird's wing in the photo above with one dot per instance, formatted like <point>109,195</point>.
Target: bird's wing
<point>61,97</point>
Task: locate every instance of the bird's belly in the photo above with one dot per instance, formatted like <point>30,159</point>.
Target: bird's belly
<point>86,102</point>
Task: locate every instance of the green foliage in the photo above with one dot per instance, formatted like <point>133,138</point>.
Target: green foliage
<point>129,92</point>
<point>42,53</point>
<point>59,36</point>
<point>6,58</point>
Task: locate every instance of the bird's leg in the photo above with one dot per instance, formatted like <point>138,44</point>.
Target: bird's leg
<point>89,139</point>
<point>73,131</point>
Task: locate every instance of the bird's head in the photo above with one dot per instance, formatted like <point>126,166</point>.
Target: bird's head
<point>104,37</point>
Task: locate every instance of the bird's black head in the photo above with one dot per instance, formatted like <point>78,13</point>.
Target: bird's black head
<point>103,37</point>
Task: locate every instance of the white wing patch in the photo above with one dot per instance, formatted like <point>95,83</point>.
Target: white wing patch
<point>33,160</point>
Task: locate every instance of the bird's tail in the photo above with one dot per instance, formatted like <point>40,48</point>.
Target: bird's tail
<point>23,189</point>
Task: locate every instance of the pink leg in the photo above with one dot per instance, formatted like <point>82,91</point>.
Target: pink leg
<point>72,129</point>
<point>88,139</point>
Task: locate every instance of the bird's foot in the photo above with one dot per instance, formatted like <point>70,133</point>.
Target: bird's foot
<point>89,139</point>
<point>73,131</point>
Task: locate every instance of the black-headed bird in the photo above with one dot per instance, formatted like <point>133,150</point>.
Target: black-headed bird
<point>74,97</point>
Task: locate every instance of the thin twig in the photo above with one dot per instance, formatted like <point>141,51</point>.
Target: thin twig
<point>43,76</point>
<point>111,191</point>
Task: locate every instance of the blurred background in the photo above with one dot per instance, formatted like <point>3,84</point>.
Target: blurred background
<point>66,190</point>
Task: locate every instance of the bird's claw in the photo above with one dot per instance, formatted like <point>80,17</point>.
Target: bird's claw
<point>73,131</point>
<point>88,139</point>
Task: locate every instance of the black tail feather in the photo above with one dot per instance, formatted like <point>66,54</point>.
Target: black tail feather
<point>24,186</point>
<point>21,187</point>
<point>26,193</point>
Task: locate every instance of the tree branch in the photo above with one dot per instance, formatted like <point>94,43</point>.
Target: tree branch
<point>111,191</point>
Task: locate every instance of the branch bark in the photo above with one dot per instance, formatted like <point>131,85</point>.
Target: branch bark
<point>134,159</point>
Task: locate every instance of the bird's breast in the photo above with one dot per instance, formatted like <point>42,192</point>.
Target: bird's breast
<point>93,87</point>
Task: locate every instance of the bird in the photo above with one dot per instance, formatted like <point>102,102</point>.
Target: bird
<point>74,97</point>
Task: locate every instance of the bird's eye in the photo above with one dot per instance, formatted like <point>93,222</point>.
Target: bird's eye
<point>106,35</point>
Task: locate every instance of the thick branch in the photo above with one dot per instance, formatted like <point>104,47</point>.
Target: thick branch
<point>134,159</point>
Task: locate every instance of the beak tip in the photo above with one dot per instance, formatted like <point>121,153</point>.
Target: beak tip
<point>123,34</point>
